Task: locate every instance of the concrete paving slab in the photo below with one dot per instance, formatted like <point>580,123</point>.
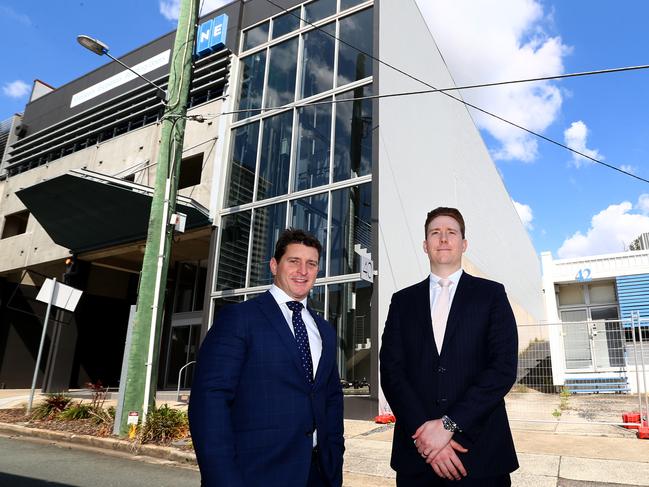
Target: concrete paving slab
<point>521,479</point>
<point>597,470</point>
<point>357,480</point>
<point>539,465</point>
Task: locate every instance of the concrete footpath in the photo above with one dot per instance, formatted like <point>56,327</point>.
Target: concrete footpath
<point>550,455</point>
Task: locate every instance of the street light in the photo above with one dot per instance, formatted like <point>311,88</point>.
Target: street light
<point>100,48</point>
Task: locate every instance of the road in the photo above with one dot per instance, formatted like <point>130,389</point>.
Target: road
<point>39,463</point>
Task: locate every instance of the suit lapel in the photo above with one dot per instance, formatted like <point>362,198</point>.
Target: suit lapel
<point>423,316</point>
<point>274,314</point>
<point>328,354</point>
<point>460,300</point>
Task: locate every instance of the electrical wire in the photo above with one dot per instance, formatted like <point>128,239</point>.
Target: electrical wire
<point>482,110</point>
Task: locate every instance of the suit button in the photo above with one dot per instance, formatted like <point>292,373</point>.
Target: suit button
<point>441,370</point>
<point>308,433</point>
<point>441,402</point>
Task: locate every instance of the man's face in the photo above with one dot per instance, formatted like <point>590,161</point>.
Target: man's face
<point>296,271</point>
<point>444,244</point>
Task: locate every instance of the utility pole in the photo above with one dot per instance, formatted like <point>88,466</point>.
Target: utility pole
<point>141,379</point>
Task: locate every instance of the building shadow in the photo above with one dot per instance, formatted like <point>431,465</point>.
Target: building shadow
<point>9,480</point>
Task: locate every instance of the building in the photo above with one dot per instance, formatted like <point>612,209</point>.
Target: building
<point>598,315</point>
<point>294,135</point>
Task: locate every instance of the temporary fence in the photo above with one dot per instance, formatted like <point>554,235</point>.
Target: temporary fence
<point>583,372</point>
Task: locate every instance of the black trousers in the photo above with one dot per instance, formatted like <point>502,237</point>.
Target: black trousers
<point>316,475</point>
<point>430,479</point>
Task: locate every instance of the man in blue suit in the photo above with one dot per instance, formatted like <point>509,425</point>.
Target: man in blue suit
<point>266,407</point>
<point>448,358</point>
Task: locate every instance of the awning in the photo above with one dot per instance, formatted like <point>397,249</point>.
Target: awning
<point>83,210</point>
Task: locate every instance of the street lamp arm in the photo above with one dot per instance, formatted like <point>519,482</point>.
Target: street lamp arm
<point>100,49</point>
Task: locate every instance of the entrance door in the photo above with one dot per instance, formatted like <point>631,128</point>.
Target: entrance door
<point>576,340</point>
<point>183,347</point>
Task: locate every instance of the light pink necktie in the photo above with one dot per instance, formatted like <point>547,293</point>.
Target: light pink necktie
<point>440,313</point>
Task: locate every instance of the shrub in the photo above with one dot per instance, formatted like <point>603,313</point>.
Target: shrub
<point>51,406</point>
<point>165,425</point>
<point>76,411</point>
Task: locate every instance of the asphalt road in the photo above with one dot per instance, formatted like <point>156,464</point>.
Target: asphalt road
<point>30,463</point>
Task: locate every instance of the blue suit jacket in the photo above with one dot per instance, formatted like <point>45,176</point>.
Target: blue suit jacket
<point>468,382</point>
<point>252,412</point>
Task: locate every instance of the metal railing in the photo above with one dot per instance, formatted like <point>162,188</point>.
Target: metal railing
<point>180,373</point>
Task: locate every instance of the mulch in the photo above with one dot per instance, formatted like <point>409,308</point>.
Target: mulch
<point>77,426</point>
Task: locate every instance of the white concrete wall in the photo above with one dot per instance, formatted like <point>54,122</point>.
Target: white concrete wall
<point>431,154</point>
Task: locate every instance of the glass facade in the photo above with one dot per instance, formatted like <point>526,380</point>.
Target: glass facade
<point>306,165</point>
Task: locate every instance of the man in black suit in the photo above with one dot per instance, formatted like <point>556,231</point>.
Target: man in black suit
<point>266,407</point>
<point>448,358</point>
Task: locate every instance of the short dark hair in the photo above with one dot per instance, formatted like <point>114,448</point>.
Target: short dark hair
<point>445,211</point>
<point>295,235</point>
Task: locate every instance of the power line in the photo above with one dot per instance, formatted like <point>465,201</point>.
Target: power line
<point>482,110</point>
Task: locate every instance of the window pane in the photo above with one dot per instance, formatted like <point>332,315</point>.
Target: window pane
<point>268,223</point>
<point>310,214</point>
<point>242,166</point>
<point>354,62</point>
<point>345,4</point>
<point>281,74</point>
<point>316,300</point>
<point>602,293</point>
<point>349,313</point>
<point>351,224</point>
<point>313,147</point>
<point>255,36</point>
<point>319,9</point>
<point>233,252</point>
<point>275,156</point>
<point>185,283</point>
<point>252,84</point>
<point>317,61</point>
<point>571,294</point>
<point>353,146</point>
<point>286,23</point>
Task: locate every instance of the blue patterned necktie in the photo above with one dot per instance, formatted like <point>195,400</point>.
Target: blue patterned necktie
<point>301,339</point>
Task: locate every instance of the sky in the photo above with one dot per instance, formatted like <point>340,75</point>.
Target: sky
<point>569,205</point>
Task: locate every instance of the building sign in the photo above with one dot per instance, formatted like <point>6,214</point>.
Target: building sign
<point>583,275</point>
<point>119,79</point>
<point>211,35</point>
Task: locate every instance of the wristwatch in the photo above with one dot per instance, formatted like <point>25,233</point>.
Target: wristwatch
<point>449,424</point>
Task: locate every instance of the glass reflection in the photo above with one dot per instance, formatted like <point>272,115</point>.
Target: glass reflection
<point>310,214</point>
<point>252,84</point>
<point>233,251</point>
<point>268,222</point>
<point>353,143</point>
<point>255,37</point>
<point>241,180</point>
<point>345,4</point>
<point>351,224</point>
<point>319,9</point>
<point>275,155</point>
<point>354,62</point>
<point>281,74</point>
<point>317,61</point>
<point>349,313</point>
<point>313,146</point>
<point>286,23</point>
<point>316,300</point>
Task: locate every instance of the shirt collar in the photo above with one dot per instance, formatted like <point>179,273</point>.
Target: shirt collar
<point>281,297</point>
<point>455,278</point>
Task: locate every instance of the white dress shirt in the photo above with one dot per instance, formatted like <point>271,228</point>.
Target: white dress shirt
<point>435,290</point>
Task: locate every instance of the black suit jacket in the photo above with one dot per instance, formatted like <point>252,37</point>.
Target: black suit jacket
<point>468,382</point>
<point>252,411</point>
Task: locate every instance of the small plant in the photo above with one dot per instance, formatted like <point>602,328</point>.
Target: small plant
<point>76,411</point>
<point>51,406</point>
<point>165,425</point>
<point>564,395</point>
<point>556,413</point>
<point>105,418</point>
<point>98,394</point>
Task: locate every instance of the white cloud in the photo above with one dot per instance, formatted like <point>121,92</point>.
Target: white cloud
<point>10,14</point>
<point>525,214</point>
<point>16,89</point>
<point>629,168</point>
<point>643,203</point>
<point>611,230</point>
<point>576,137</point>
<point>486,41</point>
<point>170,8</point>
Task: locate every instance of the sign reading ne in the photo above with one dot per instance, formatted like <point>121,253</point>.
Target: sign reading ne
<point>119,79</point>
<point>211,35</point>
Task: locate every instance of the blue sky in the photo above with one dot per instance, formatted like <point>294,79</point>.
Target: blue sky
<point>570,206</point>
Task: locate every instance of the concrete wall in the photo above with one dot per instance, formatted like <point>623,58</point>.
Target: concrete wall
<point>431,154</point>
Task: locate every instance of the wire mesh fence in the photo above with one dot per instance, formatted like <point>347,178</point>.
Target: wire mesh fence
<point>582,372</point>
